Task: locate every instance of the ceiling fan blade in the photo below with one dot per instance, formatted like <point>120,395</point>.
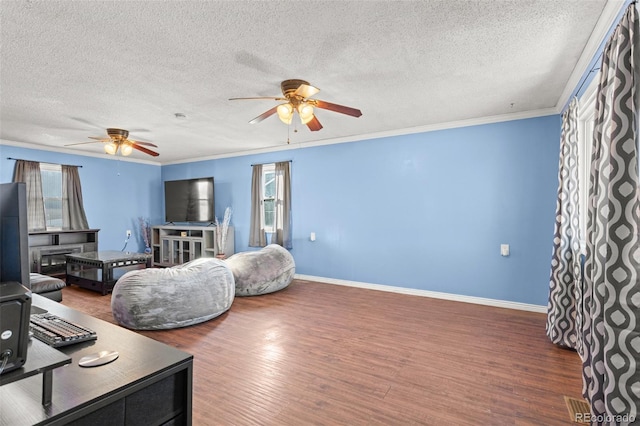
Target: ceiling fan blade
<point>80,143</point>
<point>273,98</point>
<point>100,139</point>
<point>314,125</point>
<point>306,91</point>
<point>142,143</point>
<point>337,108</point>
<point>143,149</point>
<point>264,115</point>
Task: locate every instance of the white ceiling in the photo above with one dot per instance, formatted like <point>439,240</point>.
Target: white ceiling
<point>69,69</point>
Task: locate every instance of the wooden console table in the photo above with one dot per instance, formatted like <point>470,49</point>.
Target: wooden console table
<point>149,384</point>
<point>100,270</point>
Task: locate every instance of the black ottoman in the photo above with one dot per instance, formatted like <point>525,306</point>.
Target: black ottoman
<point>49,287</point>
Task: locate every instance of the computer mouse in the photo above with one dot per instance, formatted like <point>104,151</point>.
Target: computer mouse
<point>98,358</point>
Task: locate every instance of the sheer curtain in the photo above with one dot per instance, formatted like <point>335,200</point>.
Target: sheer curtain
<point>283,205</point>
<point>73,215</point>
<point>565,286</point>
<point>611,303</point>
<point>29,173</point>
<point>257,235</point>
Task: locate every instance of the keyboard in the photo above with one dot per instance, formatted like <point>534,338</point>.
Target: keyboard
<point>55,331</point>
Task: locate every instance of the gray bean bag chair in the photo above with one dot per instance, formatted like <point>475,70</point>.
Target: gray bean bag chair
<point>183,295</point>
<point>264,271</point>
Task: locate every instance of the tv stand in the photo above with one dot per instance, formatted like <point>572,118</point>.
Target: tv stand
<point>47,249</point>
<point>173,244</point>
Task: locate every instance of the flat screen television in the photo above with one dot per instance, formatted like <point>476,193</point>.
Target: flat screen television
<point>189,200</point>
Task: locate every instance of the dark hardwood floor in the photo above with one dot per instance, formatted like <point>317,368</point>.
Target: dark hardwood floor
<point>331,355</point>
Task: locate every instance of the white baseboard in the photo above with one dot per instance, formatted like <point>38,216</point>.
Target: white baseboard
<point>427,293</point>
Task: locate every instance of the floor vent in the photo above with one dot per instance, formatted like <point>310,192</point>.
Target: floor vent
<point>579,410</point>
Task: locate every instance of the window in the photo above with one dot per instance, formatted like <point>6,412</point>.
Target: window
<point>51,175</point>
<point>586,117</point>
<point>268,197</point>
<point>54,195</point>
<point>271,204</point>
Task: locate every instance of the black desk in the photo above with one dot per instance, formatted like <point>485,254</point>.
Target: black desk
<point>149,384</point>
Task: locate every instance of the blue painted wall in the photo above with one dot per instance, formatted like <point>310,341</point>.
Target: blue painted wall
<point>115,192</point>
<point>426,211</point>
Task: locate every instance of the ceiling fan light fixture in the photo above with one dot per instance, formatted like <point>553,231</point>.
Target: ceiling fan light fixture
<point>126,149</point>
<point>117,141</point>
<point>285,112</point>
<point>111,148</point>
<point>297,96</point>
<point>305,111</point>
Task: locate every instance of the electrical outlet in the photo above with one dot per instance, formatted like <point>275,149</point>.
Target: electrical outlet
<point>128,233</point>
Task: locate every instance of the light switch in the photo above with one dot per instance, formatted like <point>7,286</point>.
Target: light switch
<point>504,249</point>
<point>312,237</point>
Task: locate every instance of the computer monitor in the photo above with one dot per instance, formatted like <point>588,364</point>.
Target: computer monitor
<point>14,234</point>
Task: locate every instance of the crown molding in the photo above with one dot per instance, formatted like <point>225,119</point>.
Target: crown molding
<point>378,135</point>
<point>608,17</point>
<point>356,138</point>
<point>75,152</point>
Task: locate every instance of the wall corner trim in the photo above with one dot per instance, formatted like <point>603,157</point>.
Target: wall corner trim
<point>426,293</point>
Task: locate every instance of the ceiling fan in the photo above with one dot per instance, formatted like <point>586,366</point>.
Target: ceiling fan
<point>118,140</point>
<point>297,94</point>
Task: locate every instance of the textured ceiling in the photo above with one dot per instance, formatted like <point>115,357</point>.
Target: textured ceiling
<point>69,69</point>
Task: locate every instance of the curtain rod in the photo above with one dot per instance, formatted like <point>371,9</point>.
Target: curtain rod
<point>22,159</point>
<point>272,162</point>
<point>592,70</point>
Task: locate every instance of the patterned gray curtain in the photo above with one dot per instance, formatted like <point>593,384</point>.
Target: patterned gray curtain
<point>29,172</point>
<point>565,286</point>
<point>611,367</point>
<point>283,205</point>
<point>257,235</point>
<point>73,216</point>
